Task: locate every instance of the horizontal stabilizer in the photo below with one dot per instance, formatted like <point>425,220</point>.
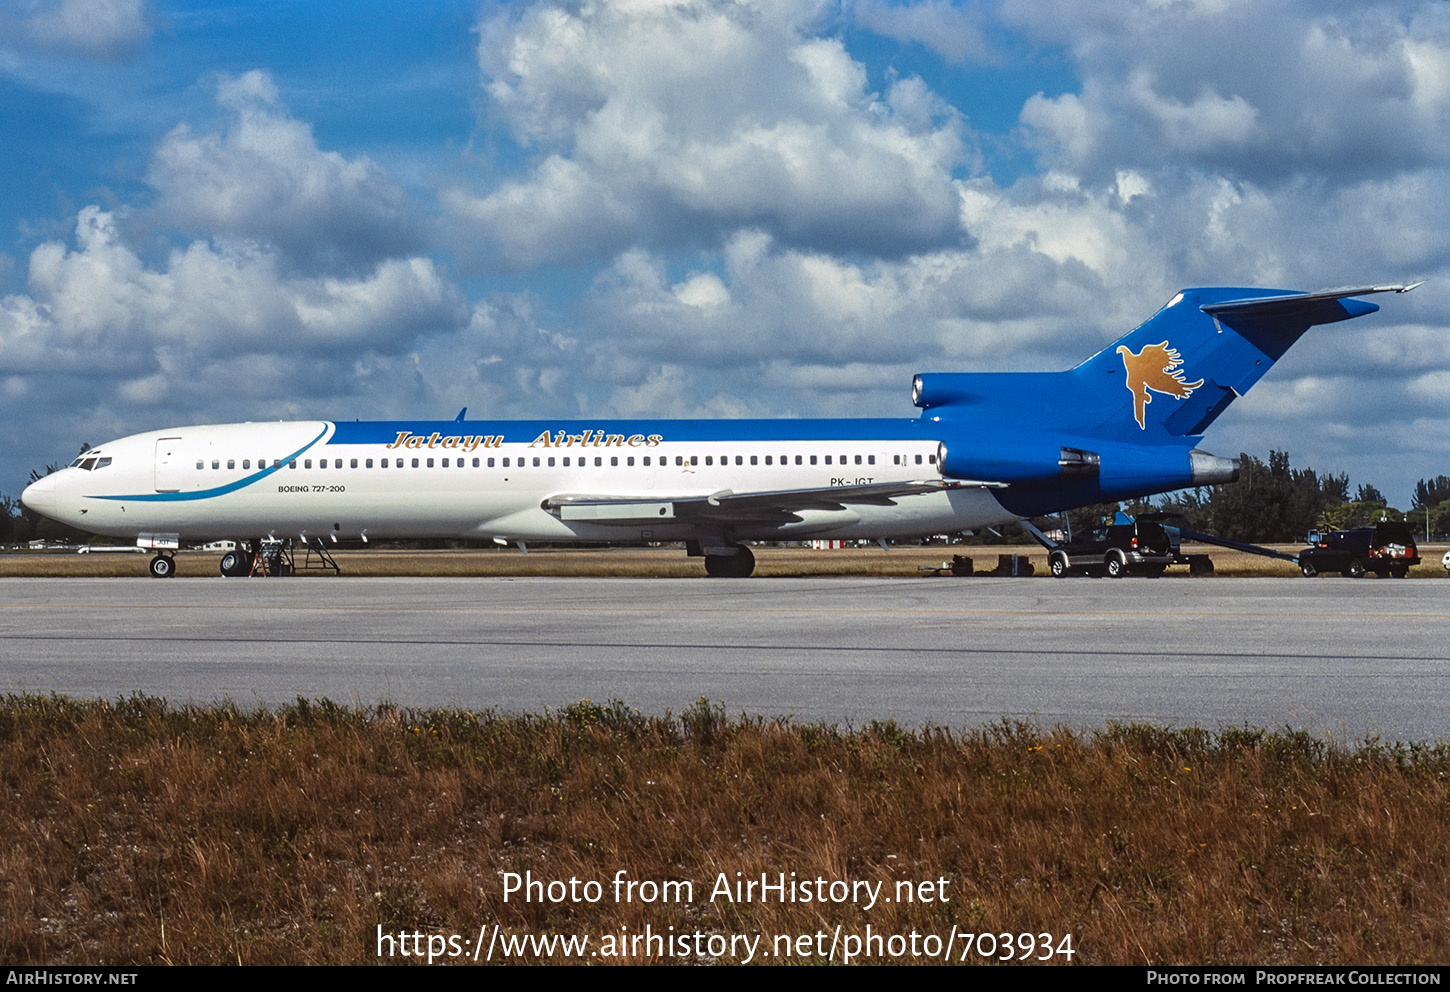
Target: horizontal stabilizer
<point>1294,302</point>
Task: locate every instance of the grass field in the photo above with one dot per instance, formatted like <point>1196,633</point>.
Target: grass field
<point>138,832</point>
<point>665,562</point>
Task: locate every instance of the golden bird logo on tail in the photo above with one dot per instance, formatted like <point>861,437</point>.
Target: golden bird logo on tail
<point>1155,368</point>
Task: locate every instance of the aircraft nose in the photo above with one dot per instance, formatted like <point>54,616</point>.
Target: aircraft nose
<point>40,495</point>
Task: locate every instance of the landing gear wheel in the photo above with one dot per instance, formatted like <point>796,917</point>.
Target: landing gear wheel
<point>736,566</point>
<point>1116,565</point>
<point>1309,570</point>
<point>236,563</point>
<point>163,567</point>
<point>1355,569</point>
<point>1058,564</point>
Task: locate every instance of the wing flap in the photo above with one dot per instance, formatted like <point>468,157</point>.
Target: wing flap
<point>728,506</point>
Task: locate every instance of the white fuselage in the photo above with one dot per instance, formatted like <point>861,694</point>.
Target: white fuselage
<point>347,481</point>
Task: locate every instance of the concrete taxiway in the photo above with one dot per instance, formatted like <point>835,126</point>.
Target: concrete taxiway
<point>1335,657</point>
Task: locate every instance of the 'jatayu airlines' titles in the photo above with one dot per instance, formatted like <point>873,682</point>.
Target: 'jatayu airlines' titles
<point>560,439</point>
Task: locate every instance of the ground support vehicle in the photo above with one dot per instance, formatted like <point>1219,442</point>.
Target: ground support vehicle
<point>1384,549</point>
<point>1142,547</point>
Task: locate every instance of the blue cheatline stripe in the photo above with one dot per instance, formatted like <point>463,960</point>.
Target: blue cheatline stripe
<point>230,487</point>
<point>385,432</point>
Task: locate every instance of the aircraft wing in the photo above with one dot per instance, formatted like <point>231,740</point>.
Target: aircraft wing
<point>728,506</point>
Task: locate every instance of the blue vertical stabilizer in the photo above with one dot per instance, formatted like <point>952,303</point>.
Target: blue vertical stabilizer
<point>1126,421</point>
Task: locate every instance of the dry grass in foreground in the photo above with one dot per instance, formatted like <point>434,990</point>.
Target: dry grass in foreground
<point>139,832</point>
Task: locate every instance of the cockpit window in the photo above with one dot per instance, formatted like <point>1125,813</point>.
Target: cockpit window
<point>86,460</point>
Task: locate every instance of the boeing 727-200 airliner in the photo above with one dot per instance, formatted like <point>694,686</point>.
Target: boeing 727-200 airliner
<point>987,448</point>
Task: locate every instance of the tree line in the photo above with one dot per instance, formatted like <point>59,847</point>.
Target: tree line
<point>1274,502</point>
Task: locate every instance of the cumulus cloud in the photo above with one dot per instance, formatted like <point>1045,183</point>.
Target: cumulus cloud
<point>1331,89</point>
<point>104,29</point>
<point>99,310</point>
<point>949,29</point>
<point>265,178</point>
<point>677,123</point>
<point>763,230</point>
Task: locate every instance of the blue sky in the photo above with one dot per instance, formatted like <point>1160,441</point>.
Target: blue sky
<point>218,212</point>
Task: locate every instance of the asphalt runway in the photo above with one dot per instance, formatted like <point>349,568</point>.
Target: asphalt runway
<point>1337,657</point>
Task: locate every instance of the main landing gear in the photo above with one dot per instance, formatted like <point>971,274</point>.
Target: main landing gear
<point>728,566</point>
<point>272,558</point>
<point>237,563</point>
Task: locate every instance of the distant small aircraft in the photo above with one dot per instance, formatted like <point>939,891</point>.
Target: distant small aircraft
<point>987,448</point>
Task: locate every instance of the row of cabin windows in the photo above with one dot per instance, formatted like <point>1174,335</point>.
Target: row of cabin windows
<point>541,461</point>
